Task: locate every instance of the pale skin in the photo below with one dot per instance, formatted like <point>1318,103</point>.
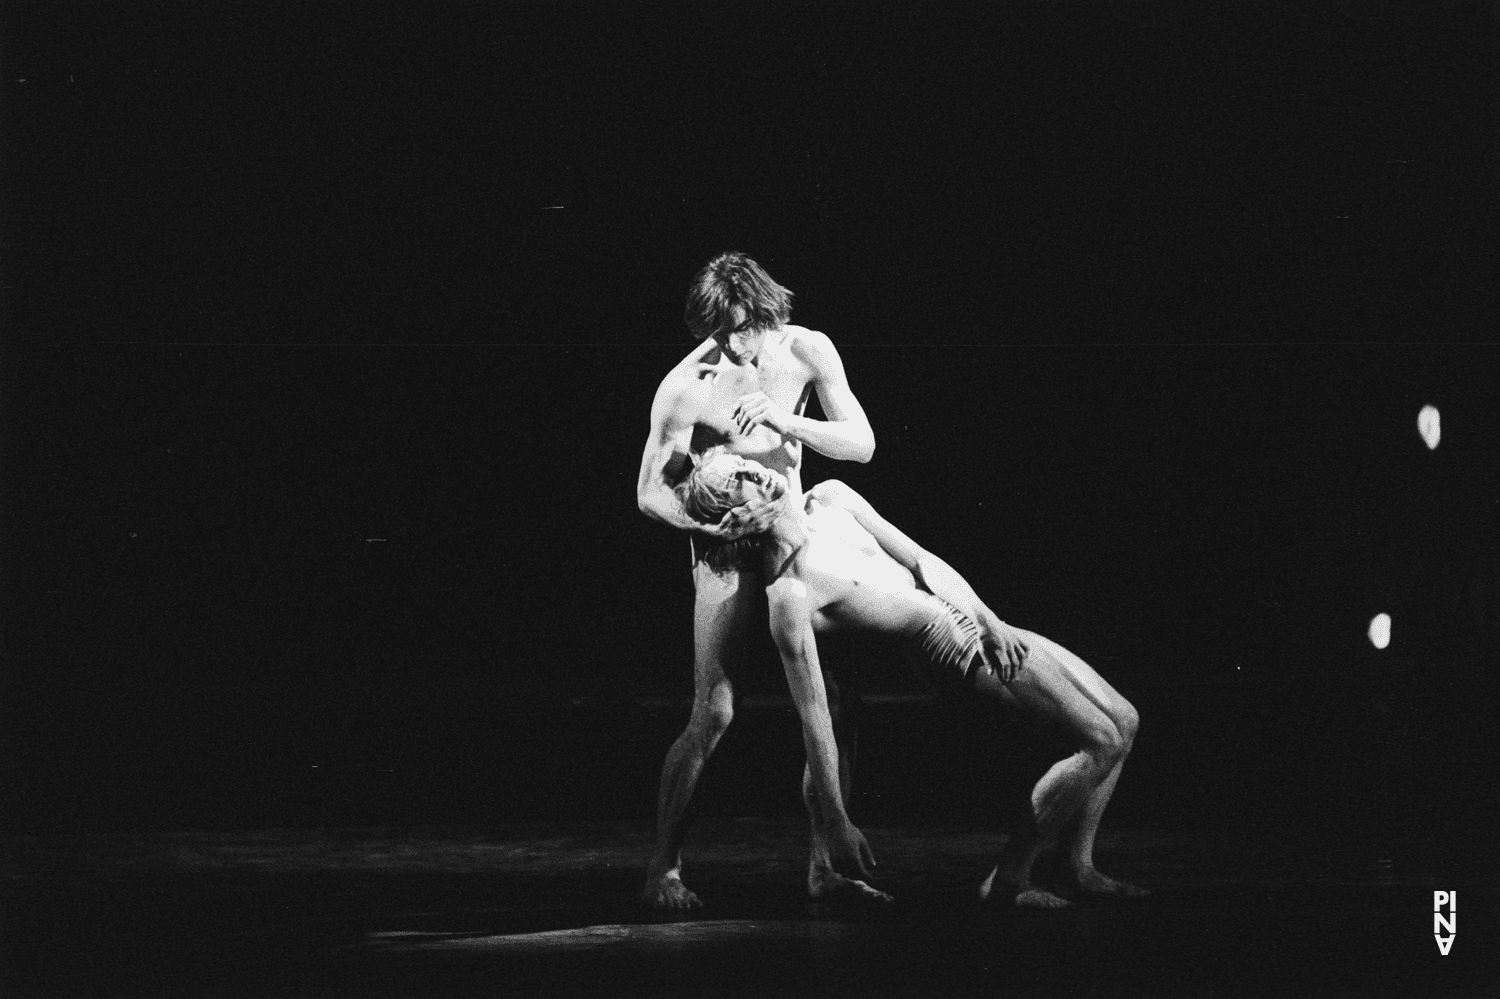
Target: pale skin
<point>835,563</point>
<point>746,391</point>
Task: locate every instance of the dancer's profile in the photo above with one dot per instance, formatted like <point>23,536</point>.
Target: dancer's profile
<point>832,562</point>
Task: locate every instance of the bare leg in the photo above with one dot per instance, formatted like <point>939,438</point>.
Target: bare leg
<point>822,881</point>
<point>1069,800</point>
<point>1060,791</point>
<point>1084,878</point>
<point>1078,837</point>
<point>722,609</point>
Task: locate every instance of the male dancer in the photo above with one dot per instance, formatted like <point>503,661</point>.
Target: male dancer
<point>832,562</point>
<point>744,388</point>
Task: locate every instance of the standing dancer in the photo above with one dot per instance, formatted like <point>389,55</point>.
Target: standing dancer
<point>744,388</point>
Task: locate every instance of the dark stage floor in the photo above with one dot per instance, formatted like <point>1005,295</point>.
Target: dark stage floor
<point>549,910</point>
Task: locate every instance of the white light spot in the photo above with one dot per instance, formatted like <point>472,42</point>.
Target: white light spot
<point>1380,630</point>
<point>1429,425</point>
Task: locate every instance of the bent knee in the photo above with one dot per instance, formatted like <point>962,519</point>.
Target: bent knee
<point>711,718</point>
<point>1106,744</point>
<point>1128,721</point>
<point>1111,741</point>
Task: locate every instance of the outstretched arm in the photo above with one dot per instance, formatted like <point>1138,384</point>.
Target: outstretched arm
<point>665,458</point>
<point>791,627</point>
<point>846,435</point>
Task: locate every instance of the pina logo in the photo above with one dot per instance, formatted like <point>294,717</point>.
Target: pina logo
<point>1445,923</point>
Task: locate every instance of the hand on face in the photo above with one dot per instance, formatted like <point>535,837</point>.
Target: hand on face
<point>766,501</point>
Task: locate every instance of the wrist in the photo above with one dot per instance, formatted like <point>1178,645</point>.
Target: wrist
<point>829,812</point>
<point>833,816</point>
<point>667,510</point>
<point>989,621</point>
<point>686,523</point>
<point>794,427</point>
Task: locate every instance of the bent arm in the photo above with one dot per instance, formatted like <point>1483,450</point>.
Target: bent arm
<point>665,460</point>
<point>846,435</point>
<point>667,443</point>
<point>791,627</point>
<point>932,573</point>
<point>942,580</point>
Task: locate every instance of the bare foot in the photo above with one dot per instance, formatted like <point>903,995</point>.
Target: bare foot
<point>1091,883</point>
<point>668,892</point>
<point>1036,898</point>
<point>826,886</point>
<point>1021,894</point>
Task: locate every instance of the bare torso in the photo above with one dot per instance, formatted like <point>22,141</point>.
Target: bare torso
<point>851,581</point>
<point>712,386</point>
<point>839,548</point>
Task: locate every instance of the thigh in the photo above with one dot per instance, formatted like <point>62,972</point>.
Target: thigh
<point>726,607</point>
<point>1080,675</point>
<point>1057,686</point>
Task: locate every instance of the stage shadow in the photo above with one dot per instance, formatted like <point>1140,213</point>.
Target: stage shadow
<point>553,909</point>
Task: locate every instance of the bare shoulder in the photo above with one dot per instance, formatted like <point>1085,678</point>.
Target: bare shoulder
<point>787,599</point>
<point>833,492</point>
<point>817,355</point>
<point>685,379</point>
<point>809,346</point>
<point>693,367</point>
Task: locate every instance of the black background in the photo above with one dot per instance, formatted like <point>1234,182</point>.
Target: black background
<point>331,335</point>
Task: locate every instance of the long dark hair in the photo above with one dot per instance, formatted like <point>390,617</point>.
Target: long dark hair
<point>728,280</point>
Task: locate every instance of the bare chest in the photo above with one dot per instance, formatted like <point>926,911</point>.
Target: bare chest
<point>841,549</point>
<point>720,389</point>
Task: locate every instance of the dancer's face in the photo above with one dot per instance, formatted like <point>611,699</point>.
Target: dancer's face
<point>742,344</point>
<point>751,479</point>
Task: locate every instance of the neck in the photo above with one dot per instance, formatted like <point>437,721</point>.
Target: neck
<point>783,541</point>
